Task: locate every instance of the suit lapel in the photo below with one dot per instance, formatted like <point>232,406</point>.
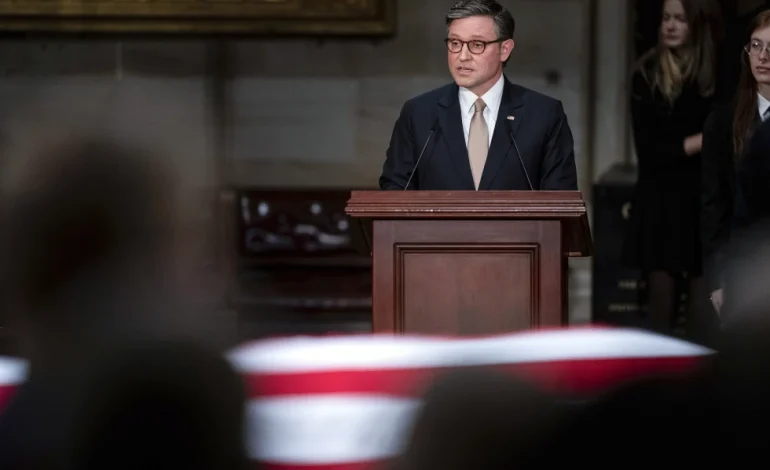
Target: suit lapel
<point>451,123</point>
<point>501,144</point>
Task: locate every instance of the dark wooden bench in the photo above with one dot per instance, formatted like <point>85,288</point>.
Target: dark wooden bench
<point>298,268</point>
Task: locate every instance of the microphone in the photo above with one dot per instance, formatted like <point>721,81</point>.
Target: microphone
<point>521,160</point>
<point>414,169</point>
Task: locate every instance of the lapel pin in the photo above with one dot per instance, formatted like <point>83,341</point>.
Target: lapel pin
<point>511,118</point>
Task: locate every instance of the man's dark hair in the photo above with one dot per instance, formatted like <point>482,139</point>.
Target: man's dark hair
<point>504,22</point>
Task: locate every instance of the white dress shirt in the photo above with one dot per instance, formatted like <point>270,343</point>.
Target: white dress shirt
<point>492,98</point>
<point>763,104</point>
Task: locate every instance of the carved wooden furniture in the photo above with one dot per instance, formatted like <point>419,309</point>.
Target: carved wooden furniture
<point>269,17</point>
<point>297,268</point>
<point>468,262</point>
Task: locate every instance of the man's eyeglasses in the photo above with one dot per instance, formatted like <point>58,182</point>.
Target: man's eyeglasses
<point>755,48</point>
<point>475,46</point>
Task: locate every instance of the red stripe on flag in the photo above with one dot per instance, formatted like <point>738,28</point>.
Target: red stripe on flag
<point>399,382</point>
<point>6,393</point>
<point>596,375</point>
<point>566,376</point>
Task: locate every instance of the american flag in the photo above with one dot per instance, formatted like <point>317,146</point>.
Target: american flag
<point>347,402</point>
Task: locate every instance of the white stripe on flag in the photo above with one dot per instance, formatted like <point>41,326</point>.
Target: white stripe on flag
<point>315,353</point>
<point>330,429</point>
<point>576,345</point>
<point>12,371</point>
<point>378,352</point>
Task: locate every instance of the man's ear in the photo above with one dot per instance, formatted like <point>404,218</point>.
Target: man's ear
<point>506,47</point>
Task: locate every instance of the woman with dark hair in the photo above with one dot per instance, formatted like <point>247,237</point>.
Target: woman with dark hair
<point>728,215</point>
<point>672,91</point>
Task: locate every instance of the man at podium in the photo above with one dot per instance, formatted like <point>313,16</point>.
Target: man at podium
<point>481,132</point>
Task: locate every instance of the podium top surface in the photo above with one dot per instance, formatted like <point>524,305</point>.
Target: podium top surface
<point>566,206</point>
<point>466,204</point>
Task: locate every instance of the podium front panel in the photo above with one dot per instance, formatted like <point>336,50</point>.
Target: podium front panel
<point>466,277</point>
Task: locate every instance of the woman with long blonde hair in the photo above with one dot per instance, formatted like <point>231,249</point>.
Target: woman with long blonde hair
<point>673,87</point>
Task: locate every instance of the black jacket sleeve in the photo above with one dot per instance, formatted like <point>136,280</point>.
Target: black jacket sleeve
<point>400,157</point>
<point>558,169</point>
<point>754,174</point>
<point>716,193</point>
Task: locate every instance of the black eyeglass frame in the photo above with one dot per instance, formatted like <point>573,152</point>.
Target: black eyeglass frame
<point>468,43</point>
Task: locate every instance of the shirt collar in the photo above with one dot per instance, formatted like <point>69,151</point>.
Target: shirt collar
<point>492,98</point>
<point>763,104</point>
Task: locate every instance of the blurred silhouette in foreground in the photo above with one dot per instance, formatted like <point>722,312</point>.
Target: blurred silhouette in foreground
<point>713,416</point>
<point>87,233</point>
<point>480,418</point>
<point>86,237</point>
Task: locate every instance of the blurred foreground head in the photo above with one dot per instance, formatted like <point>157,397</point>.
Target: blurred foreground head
<point>746,284</point>
<point>480,418</point>
<point>86,229</point>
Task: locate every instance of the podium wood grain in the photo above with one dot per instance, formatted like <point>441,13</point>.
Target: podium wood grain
<point>470,263</point>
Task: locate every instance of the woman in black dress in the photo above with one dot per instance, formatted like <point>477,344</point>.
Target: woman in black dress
<point>735,188</point>
<point>672,91</point>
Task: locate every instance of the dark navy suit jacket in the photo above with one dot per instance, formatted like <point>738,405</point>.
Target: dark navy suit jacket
<point>539,126</point>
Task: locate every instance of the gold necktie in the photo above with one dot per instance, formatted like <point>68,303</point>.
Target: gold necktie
<point>478,141</point>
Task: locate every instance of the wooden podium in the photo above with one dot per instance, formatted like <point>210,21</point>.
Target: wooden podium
<point>470,262</point>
